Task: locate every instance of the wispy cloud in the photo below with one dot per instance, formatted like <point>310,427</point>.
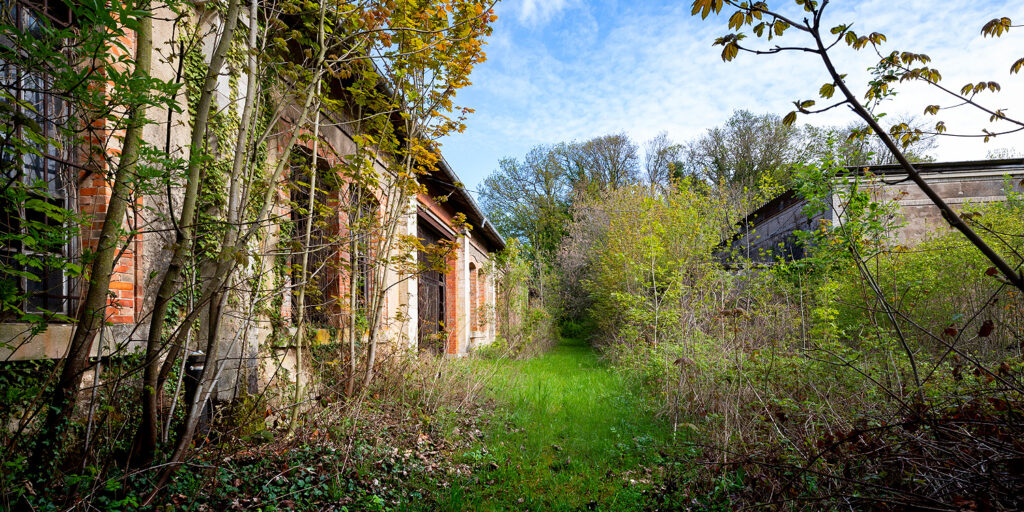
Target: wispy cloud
<point>616,66</point>
<point>539,11</point>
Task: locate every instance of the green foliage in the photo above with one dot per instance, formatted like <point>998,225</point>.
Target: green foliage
<point>765,364</point>
<point>653,254</point>
<point>524,327</point>
<point>21,382</point>
<point>530,199</point>
<point>745,150</point>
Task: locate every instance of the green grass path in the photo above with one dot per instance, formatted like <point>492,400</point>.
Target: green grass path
<point>568,434</point>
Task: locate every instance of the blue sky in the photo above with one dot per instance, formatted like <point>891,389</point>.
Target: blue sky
<point>560,70</point>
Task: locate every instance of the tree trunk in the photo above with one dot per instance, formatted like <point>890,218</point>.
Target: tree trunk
<point>307,237</point>
<point>93,309</point>
<point>145,441</point>
<point>225,264</point>
<point>395,208</point>
<point>350,386</point>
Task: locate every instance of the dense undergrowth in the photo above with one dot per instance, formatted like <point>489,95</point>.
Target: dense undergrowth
<point>560,431</point>
<point>388,449</point>
<point>870,374</point>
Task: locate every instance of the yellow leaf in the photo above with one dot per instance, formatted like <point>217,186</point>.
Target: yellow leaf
<point>996,27</point>
<point>736,21</point>
<point>730,51</point>
<point>1016,67</point>
<point>705,7</point>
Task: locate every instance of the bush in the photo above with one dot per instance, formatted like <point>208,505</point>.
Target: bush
<point>867,374</point>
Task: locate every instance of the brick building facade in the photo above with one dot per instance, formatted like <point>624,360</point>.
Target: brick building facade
<point>465,292</point>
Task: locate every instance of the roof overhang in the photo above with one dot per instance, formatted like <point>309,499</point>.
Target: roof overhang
<point>462,201</point>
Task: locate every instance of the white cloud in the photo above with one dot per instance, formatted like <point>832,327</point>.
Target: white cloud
<point>647,69</point>
<point>539,11</point>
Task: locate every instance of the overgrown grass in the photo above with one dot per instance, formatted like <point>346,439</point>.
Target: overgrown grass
<point>568,434</point>
<point>561,431</point>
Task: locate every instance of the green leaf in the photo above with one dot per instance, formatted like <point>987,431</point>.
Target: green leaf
<point>789,119</point>
<point>827,90</point>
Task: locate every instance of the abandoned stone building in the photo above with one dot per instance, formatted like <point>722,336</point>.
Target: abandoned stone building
<point>769,233</point>
<point>445,312</point>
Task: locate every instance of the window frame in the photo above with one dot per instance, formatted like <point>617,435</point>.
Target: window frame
<point>46,176</point>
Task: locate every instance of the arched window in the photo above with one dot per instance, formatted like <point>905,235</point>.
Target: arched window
<point>474,302</point>
<point>315,275</point>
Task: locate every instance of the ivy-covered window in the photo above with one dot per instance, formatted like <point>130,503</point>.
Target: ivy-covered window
<point>34,235</point>
<point>320,291</point>
<point>362,224</point>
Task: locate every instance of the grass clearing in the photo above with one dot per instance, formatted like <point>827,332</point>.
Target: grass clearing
<point>568,434</point>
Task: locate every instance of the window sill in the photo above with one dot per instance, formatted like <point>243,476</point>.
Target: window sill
<point>16,344</point>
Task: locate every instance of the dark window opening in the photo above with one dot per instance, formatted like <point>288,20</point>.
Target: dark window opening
<point>320,293</point>
<point>431,294</point>
<point>35,231</point>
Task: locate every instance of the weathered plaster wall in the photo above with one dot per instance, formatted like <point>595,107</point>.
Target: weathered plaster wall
<point>247,359</point>
<point>770,232</point>
<point>923,219</point>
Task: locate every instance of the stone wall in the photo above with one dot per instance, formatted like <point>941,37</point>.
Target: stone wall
<point>922,217</point>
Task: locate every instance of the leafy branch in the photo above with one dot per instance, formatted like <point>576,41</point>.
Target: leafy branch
<point>768,24</point>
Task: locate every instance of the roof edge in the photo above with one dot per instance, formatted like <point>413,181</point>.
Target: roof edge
<point>487,227</point>
<point>939,167</point>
